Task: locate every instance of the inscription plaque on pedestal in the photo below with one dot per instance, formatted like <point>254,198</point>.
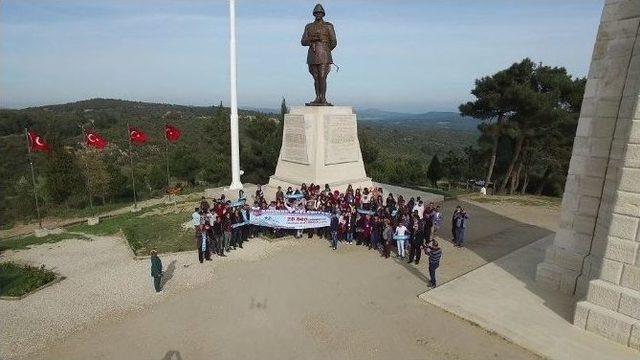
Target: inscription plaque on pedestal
<point>341,140</point>
<point>294,142</point>
<point>320,145</point>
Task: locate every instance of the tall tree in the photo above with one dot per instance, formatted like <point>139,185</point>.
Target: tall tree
<point>453,167</point>
<point>435,171</point>
<point>492,105</point>
<point>541,105</point>
<point>64,176</point>
<point>96,174</point>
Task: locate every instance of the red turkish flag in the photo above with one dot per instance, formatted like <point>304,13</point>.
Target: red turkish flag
<point>94,140</point>
<point>136,136</point>
<point>37,143</point>
<point>172,133</point>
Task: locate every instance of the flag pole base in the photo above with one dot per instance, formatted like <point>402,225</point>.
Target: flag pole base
<point>236,186</point>
<point>42,232</point>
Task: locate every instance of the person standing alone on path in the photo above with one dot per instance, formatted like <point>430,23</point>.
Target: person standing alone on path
<point>435,254</point>
<point>156,270</point>
<point>460,224</point>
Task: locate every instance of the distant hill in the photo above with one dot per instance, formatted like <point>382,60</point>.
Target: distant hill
<point>131,107</point>
<point>263,110</point>
<point>432,119</point>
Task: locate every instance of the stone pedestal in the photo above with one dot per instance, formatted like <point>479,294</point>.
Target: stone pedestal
<point>320,145</point>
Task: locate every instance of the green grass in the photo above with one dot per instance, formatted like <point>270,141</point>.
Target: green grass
<point>111,225</point>
<point>162,232</point>
<point>17,280</point>
<point>6,226</point>
<point>143,233</point>
<point>26,241</point>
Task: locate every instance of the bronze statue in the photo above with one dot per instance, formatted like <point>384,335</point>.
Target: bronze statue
<point>320,37</point>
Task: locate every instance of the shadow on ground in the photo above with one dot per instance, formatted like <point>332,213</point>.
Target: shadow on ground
<point>168,274</point>
<point>172,355</point>
<point>489,237</point>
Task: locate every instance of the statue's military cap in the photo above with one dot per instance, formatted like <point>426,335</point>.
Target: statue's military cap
<point>318,9</point>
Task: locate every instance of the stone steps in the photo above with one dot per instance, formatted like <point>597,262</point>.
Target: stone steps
<point>615,298</point>
<point>602,313</point>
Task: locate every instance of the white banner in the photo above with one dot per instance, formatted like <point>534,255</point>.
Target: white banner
<point>284,219</point>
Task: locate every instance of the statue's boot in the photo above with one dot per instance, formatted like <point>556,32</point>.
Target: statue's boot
<point>324,101</point>
<point>317,101</point>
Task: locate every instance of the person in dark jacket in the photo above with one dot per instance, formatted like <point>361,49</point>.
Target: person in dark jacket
<point>435,254</point>
<point>376,232</point>
<point>334,230</point>
<point>218,236</point>
<point>460,224</point>
<point>417,239</point>
<point>387,237</point>
<point>156,270</point>
<point>226,232</point>
<point>453,222</point>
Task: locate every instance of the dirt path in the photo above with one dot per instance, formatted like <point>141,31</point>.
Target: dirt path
<point>304,303</point>
<point>103,281</point>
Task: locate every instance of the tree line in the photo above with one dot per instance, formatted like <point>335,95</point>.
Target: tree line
<point>72,175</point>
<point>529,115</point>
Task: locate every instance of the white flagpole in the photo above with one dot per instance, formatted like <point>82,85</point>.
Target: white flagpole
<point>235,147</point>
<point>33,177</point>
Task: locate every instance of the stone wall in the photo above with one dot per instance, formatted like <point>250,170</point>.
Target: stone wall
<point>596,251</point>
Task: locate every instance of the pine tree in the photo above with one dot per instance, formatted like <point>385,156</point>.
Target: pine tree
<point>64,176</point>
<point>435,171</point>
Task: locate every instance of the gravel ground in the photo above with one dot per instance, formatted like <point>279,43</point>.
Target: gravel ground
<point>307,302</point>
<point>102,281</point>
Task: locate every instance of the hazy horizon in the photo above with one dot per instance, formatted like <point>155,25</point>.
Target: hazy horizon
<point>405,56</point>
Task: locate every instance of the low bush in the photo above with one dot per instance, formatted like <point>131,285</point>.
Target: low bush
<point>17,280</point>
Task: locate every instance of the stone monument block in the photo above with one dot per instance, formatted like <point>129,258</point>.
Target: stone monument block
<point>598,245</point>
<point>320,145</point>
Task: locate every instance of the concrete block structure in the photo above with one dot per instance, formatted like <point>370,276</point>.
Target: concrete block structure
<point>596,252</point>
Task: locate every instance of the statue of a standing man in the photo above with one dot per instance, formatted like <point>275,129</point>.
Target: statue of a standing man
<point>320,37</point>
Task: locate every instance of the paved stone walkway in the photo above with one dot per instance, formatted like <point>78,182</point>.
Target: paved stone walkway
<point>503,297</point>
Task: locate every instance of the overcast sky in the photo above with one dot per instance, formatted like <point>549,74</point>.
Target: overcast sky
<point>409,56</point>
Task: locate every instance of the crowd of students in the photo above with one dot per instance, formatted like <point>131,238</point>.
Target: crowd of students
<point>367,217</point>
